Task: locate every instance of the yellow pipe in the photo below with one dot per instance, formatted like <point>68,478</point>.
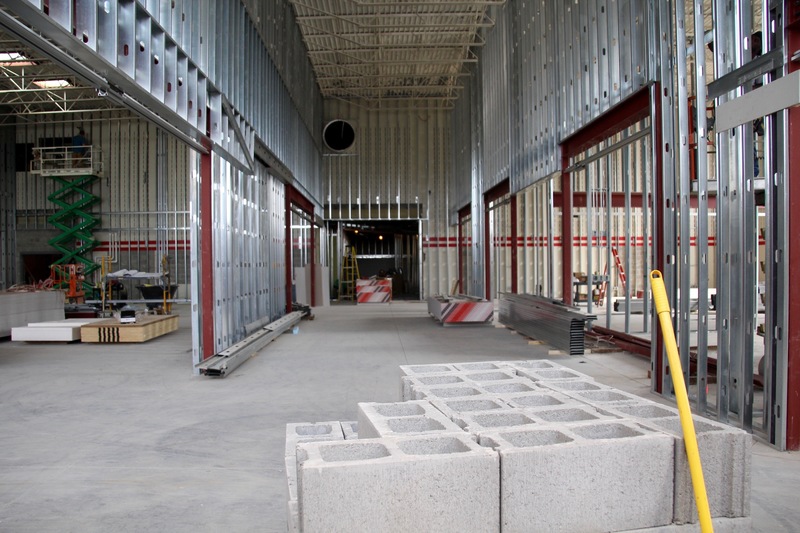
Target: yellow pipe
<point>687,424</point>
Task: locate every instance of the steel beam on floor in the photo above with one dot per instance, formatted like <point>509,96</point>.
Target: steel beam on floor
<point>225,362</point>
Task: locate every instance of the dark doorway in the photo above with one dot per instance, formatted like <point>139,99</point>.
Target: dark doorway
<point>387,248</point>
<point>37,266</point>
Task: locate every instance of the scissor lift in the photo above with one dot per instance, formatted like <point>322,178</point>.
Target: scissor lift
<point>74,173</point>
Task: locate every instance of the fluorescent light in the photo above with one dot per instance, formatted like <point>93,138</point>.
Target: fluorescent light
<point>52,84</point>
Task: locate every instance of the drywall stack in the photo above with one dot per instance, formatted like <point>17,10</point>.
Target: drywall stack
<point>67,330</point>
<point>22,308</point>
<point>516,446</point>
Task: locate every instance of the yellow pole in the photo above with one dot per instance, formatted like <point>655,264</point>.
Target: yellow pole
<point>687,424</point>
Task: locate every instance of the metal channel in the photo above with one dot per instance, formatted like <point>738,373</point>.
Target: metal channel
<point>8,205</point>
<point>539,318</point>
<point>776,263</point>
<point>683,271</point>
<point>701,159</point>
<point>231,358</point>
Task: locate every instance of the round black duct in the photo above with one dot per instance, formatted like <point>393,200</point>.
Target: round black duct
<point>339,135</point>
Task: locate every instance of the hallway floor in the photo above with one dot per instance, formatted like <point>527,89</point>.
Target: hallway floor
<point>125,438</point>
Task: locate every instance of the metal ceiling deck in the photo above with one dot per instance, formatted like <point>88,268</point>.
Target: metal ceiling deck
<point>373,50</point>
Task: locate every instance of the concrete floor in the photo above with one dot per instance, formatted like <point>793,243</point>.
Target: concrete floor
<point>113,438</point>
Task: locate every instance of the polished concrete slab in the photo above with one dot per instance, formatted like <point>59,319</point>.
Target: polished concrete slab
<point>125,437</point>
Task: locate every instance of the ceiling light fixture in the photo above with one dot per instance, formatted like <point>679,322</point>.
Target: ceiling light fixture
<point>52,84</point>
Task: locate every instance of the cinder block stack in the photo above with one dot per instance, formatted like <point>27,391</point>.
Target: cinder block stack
<point>443,483</point>
<point>295,434</point>
<point>512,446</point>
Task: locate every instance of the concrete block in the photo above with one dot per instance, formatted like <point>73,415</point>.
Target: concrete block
<point>542,398</point>
<point>603,476</point>
<point>725,453</point>
<point>408,383</point>
<point>415,370</point>
<point>531,364</point>
<point>552,374</point>
<point>564,414</point>
<point>291,478</point>
<point>483,421</point>
<point>305,432</point>
<point>428,483</point>
<point>292,517</point>
<point>402,419</point>
<point>350,430</point>
<point>642,410</point>
<point>489,377</point>
<point>605,397</point>
<point>505,388</point>
<point>455,408</point>
<point>457,390</point>
<point>720,525</point>
<point>480,366</point>
<point>308,431</point>
<point>572,385</point>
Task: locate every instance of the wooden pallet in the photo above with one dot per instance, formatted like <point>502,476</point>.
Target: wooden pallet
<point>145,328</point>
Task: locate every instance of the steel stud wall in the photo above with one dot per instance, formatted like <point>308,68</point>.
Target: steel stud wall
<point>557,67</point>
<point>143,191</point>
<point>7,208</point>
<point>233,73</point>
<point>398,168</point>
<point>249,218</point>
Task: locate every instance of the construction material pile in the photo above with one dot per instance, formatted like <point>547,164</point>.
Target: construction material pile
<point>511,446</point>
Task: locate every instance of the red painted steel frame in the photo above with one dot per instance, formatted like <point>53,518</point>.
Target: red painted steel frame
<point>792,411</point>
<point>463,213</point>
<point>495,193</point>
<point>293,196</point>
<point>206,254</point>
<point>514,244</point>
<point>628,112</point>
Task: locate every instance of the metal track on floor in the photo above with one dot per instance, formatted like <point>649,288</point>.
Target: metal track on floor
<point>226,361</point>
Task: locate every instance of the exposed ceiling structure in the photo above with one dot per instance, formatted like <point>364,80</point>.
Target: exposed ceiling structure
<point>367,51</point>
<point>32,85</point>
<point>373,51</point>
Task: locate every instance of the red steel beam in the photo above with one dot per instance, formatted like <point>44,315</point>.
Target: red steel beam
<point>628,112</point>
<point>206,254</point>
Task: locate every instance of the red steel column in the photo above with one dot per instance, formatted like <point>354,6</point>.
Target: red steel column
<point>487,249</point>
<point>656,204</point>
<point>628,112</point>
<point>288,247</point>
<point>312,285</point>
<point>793,320</point>
<point>514,249</point>
<point>792,411</point>
<point>460,252</point>
<point>207,254</point>
<point>566,230</point>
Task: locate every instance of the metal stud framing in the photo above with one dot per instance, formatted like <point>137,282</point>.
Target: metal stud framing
<point>700,240</point>
<point>7,208</point>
